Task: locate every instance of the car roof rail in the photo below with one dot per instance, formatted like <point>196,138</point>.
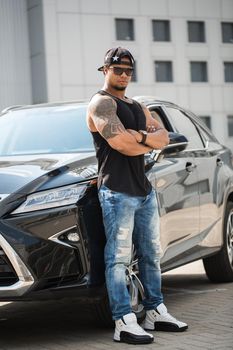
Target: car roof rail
<point>7,109</point>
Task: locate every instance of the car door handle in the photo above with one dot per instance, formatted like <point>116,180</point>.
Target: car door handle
<point>219,162</point>
<point>190,167</point>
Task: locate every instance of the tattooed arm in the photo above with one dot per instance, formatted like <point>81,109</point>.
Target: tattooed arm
<point>157,135</point>
<point>102,117</point>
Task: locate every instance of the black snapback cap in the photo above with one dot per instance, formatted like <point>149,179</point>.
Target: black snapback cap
<point>115,55</point>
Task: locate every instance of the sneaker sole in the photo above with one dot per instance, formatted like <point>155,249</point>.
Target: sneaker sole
<point>133,339</point>
<point>167,327</point>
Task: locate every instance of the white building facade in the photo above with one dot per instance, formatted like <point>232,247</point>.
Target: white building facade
<point>183,51</point>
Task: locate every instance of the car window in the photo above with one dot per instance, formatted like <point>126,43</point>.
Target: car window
<point>158,114</point>
<point>157,117</point>
<point>204,130</point>
<point>57,129</point>
<point>213,144</point>
<point>183,124</point>
<point>206,136</point>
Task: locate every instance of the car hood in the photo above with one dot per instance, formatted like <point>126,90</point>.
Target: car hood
<point>18,171</point>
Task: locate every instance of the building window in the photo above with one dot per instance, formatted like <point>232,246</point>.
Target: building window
<point>206,120</point>
<point>134,76</point>
<point>228,72</point>
<point>163,71</point>
<point>196,32</point>
<point>199,71</point>
<point>161,30</point>
<point>230,125</point>
<point>124,29</point>
<point>227,32</point>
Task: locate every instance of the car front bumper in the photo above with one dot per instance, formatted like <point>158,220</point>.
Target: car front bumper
<point>37,261</point>
<point>14,270</point>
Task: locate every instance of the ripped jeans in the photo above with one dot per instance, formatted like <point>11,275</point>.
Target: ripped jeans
<point>128,220</point>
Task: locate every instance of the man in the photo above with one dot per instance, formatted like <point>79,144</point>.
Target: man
<point>123,131</point>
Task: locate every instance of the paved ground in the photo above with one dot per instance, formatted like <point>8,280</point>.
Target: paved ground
<point>206,307</point>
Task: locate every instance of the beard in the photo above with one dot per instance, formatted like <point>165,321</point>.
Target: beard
<point>119,88</point>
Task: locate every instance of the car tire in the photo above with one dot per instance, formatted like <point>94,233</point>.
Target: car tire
<point>102,308</point>
<point>219,267</point>
<point>104,315</point>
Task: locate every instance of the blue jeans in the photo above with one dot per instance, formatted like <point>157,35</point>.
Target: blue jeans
<point>131,220</point>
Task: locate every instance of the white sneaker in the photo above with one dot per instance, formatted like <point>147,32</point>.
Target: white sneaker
<point>127,330</point>
<point>160,320</point>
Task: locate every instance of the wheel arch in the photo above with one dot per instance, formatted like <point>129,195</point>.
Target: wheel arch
<point>230,197</point>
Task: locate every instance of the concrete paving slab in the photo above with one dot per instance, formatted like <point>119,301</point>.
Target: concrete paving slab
<point>189,296</point>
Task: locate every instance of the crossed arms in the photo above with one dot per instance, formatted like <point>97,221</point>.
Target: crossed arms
<point>102,117</point>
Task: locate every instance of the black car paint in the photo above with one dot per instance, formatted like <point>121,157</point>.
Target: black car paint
<point>78,269</point>
<point>45,258</point>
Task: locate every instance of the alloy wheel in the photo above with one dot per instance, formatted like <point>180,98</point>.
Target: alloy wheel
<point>136,290</point>
<point>230,237</point>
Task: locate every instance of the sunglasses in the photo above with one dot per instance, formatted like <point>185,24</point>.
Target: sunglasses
<point>120,71</point>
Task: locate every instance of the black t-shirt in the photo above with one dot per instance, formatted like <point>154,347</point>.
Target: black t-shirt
<point>121,173</point>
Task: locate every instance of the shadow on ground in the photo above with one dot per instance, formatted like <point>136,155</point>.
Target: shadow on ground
<point>39,324</point>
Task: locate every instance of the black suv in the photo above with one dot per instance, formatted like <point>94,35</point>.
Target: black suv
<point>51,231</point>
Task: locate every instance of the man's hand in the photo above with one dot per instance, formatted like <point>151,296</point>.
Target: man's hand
<point>153,128</point>
<point>157,137</point>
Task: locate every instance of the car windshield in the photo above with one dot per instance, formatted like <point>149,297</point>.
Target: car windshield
<point>44,130</point>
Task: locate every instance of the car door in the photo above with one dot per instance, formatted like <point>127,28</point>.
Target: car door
<point>212,179</point>
<point>176,182</point>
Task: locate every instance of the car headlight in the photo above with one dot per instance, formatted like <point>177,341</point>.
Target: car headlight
<point>53,198</point>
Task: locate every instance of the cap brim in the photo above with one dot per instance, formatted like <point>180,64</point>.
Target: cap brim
<point>130,64</point>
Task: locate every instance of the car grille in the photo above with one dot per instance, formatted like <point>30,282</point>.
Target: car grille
<point>7,273</point>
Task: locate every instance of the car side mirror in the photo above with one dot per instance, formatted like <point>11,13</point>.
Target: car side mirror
<point>149,161</point>
<point>178,143</point>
